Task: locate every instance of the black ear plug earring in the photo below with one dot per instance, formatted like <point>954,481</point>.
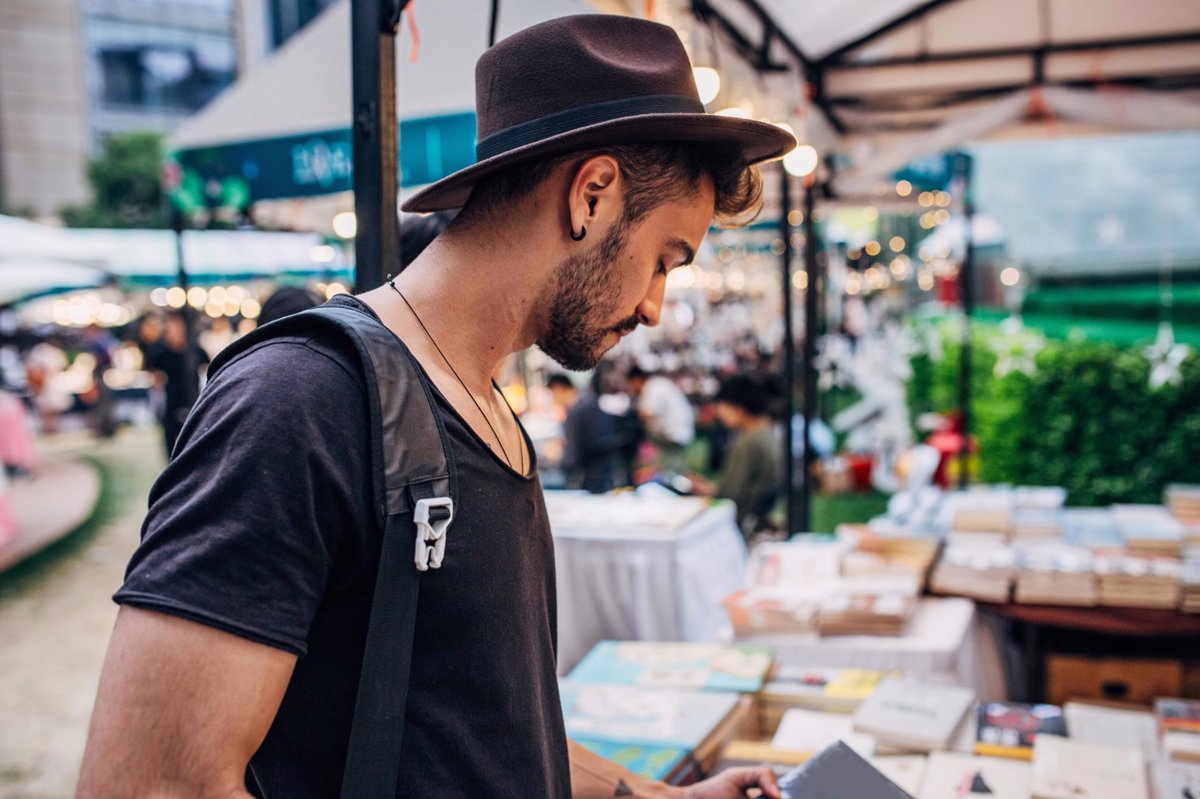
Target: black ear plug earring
<point>582,233</point>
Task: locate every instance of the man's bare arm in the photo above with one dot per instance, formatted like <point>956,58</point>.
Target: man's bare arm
<point>181,709</point>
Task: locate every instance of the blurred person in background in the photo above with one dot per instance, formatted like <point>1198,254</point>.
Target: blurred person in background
<point>285,302</point>
<point>178,363</point>
<point>101,345</point>
<point>44,364</point>
<point>665,411</point>
<point>752,473</point>
<point>593,458</point>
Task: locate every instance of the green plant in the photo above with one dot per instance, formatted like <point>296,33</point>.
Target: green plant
<point>126,189</point>
<point>1086,420</point>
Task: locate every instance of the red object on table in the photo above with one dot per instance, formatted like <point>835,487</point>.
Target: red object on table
<point>860,470</point>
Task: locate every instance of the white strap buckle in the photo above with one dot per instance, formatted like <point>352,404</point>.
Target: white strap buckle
<point>429,556</point>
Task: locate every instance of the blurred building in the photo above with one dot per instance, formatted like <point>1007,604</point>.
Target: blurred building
<point>75,71</point>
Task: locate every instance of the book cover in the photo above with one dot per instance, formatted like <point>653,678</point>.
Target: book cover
<point>653,762</point>
<point>1066,769</point>
<point>822,688</point>
<point>1177,715</point>
<point>838,773</point>
<point>1110,725</point>
<point>906,771</point>
<point>950,775</point>
<point>642,716</point>
<point>810,731</point>
<point>716,667</point>
<point>913,716</point>
<point>1176,780</point>
<point>1006,729</point>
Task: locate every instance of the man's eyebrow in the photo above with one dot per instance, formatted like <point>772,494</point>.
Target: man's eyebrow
<point>684,248</point>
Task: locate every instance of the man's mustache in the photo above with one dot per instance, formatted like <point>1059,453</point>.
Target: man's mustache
<point>627,326</point>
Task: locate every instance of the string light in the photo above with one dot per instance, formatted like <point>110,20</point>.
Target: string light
<point>903,188</point>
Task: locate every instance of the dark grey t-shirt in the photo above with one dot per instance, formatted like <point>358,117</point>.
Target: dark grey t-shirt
<point>262,526</point>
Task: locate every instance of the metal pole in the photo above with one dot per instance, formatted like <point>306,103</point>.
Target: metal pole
<point>966,283</point>
<point>811,269</point>
<point>789,351</point>
<point>373,25</point>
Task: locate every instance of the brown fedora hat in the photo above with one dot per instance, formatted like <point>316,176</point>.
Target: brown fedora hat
<point>587,81</point>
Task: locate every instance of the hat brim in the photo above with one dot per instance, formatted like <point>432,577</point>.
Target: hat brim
<point>759,141</point>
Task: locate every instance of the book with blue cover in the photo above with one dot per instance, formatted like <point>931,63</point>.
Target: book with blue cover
<point>635,716</point>
<point>710,667</point>
<point>662,763</point>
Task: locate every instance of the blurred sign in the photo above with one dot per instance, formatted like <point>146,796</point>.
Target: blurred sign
<point>310,164</point>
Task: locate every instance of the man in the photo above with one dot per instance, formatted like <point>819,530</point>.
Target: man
<point>179,372</point>
<point>665,410</point>
<point>752,472</point>
<point>594,440</point>
<point>234,661</point>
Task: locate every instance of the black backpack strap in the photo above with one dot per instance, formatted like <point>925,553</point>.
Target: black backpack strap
<point>416,482</point>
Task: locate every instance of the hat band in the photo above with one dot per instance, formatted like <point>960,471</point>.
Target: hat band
<point>542,128</point>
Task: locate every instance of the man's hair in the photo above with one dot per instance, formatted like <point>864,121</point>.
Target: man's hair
<point>653,173</point>
<point>752,393</point>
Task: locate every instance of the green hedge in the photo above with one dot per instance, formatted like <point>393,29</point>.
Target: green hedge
<point>1086,419</point>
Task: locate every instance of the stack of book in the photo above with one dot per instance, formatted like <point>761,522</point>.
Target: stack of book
<point>872,553</point>
<point>1179,728</point>
<point>1056,575</point>
<point>981,516</point>
<point>1036,524</point>
<point>770,610</point>
<point>1127,580</point>
<point>1183,501</point>
<point>982,572</point>
<point>913,717</point>
<point>1148,529</point>
<point>1007,729</point>
<point>1039,497</point>
<point>653,664</point>
<point>796,564</point>
<point>1091,528</point>
<point>1189,578</point>
<point>865,614</point>
<point>950,775</point>
<point>1067,769</point>
<point>826,689</point>
<point>659,733</point>
<point>629,701</point>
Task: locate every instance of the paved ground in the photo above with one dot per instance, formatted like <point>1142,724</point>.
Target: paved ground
<point>55,618</point>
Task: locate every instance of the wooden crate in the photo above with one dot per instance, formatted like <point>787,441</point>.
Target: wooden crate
<point>1135,681</point>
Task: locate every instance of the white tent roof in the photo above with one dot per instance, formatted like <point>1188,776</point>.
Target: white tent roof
<point>305,86</point>
<point>902,64</point>
<point>24,278</point>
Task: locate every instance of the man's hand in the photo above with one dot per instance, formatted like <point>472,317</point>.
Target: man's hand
<point>733,784</point>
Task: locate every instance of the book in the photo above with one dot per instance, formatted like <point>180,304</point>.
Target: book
<point>756,753</point>
<point>913,716</point>
<point>662,763</point>
<point>1067,769</point>
<point>829,689</point>
<point>717,667</point>
<point>1006,729</point>
<point>642,716</point>
<point>811,731</point>
<point>838,773</point>
<point>950,775</point>
<point>1176,780</point>
<point>865,614</point>
<point>1113,725</point>
<point>1177,715</point>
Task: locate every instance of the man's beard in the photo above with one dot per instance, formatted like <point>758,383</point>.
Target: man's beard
<point>587,291</point>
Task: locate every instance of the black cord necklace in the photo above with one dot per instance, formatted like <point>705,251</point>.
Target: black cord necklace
<point>391,281</point>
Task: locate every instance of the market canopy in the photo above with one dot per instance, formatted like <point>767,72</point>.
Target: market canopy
<point>24,279</point>
<point>284,130</point>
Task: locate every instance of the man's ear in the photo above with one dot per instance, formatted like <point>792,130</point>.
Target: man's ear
<point>595,195</point>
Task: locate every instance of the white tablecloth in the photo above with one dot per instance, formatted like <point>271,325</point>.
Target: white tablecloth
<point>642,569</point>
<point>946,642</point>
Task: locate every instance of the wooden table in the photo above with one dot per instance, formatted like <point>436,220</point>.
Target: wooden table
<point>1095,631</point>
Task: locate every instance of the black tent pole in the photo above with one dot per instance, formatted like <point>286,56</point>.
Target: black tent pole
<point>789,349</point>
<point>373,25</point>
<point>966,282</point>
<point>811,293</point>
